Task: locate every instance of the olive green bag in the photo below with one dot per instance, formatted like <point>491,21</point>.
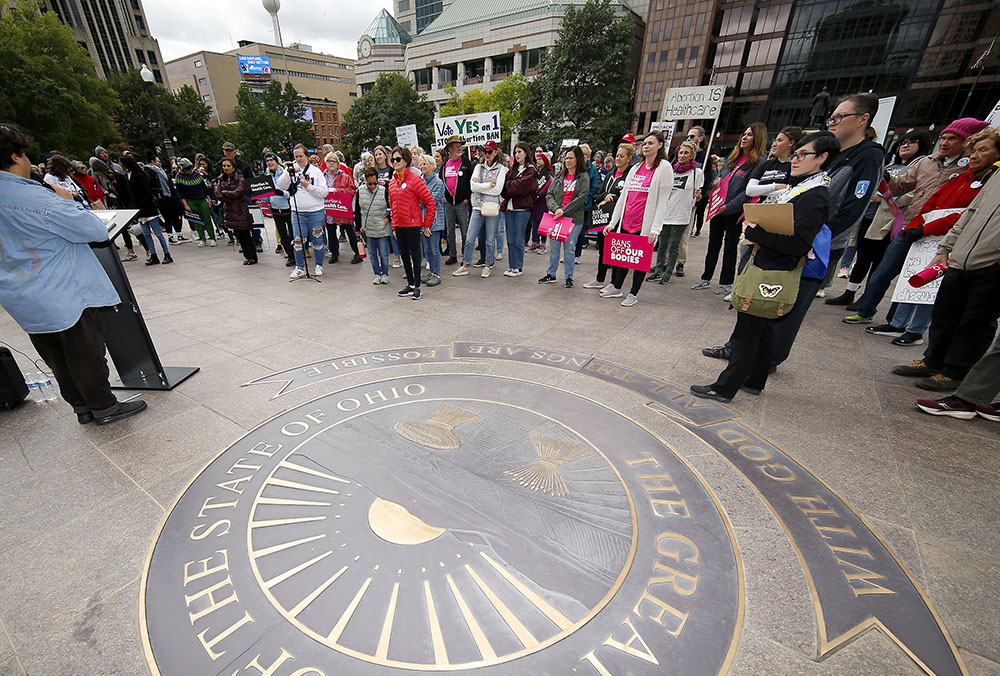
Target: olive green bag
<point>766,293</point>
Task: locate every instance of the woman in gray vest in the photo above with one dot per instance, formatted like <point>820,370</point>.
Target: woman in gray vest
<point>371,215</point>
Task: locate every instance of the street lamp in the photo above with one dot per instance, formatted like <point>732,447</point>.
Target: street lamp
<point>147,76</point>
<point>272,7</point>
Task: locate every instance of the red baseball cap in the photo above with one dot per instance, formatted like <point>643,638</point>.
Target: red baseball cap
<point>629,138</point>
<point>491,145</point>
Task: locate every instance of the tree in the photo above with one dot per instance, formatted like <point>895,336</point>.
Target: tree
<point>273,118</point>
<point>49,87</point>
<point>184,116</point>
<point>584,85</point>
<point>509,97</point>
<point>391,103</point>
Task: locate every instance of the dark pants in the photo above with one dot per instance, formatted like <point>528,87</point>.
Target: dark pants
<point>964,320</point>
<point>172,211</point>
<point>334,240</point>
<point>719,228</point>
<point>283,223</point>
<point>787,328</point>
<point>76,357</point>
<point>588,219</point>
<point>408,240</point>
<point>831,269</point>
<point>602,267</point>
<point>870,252</point>
<point>618,278</point>
<point>246,243</point>
<point>699,211</point>
<point>752,345</point>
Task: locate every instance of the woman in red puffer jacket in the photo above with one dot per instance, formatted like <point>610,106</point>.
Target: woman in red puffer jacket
<point>407,191</point>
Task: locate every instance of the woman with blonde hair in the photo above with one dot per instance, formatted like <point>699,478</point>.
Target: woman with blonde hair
<point>341,186</point>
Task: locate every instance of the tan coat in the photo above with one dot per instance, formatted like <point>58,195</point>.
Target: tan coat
<point>923,179</point>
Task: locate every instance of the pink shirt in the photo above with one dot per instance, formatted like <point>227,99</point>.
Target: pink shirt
<point>638,193</point>
<point>451,168</point>
<point>569,189</point>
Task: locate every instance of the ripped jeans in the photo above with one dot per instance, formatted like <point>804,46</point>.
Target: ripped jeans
<point>308,226</point>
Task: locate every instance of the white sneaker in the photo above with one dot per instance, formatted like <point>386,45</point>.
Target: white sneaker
<point>613,293</point>
<point>606,287</point>
<point>821,293</point>
<point>318,271</point>
<point>579,259</point>
<point>397,262</point>
<point>201,244</point>
<point>385,279</point>
<point>377,280</point>
<point>594,285</point>
<point>297,273</point>
<point>499,256</point>
<point>211,242</point>
<point>728,297</point>
<point>460,271</point>
<point>629,301</point>
<point>487,271</point>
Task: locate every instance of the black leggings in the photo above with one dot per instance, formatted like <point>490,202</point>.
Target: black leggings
<point>283,224</point>
<point>719,228</point>
<point>408,240</point>
<point>870,252</point>
<point>246,243</point>
<point>334,240</point>
<point>618,278</point>
<point>602,267</point>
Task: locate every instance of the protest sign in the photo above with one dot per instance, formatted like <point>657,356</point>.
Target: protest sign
<point>601,215</point>
<point>474,129</point>
<point>261,187</point>
<point>338,205</point>
<point>693,103</point>
<point>406,135</point>
<point>918,259</point>
<point>556,228</point>
<point>628,251</point>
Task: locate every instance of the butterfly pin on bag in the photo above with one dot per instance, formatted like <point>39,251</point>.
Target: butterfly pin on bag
<point>766,293</point>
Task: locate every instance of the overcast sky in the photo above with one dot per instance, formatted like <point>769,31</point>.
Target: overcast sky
<point>186,26</point>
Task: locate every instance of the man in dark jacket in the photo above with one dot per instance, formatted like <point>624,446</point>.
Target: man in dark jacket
<point>455,172</point>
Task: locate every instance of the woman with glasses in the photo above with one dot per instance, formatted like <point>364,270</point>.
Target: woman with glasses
<point>371,216</point>
<point>384,167</point>
<point>308,209</point>
<point>432,243</point>
<point>407,192</point>
<point>725,224</point>
<point>341,185</point>
<point>567,197</point>
<point>610,190</point>
<point>753,337</point>
<point>686,192</point>
<point>487,184</point>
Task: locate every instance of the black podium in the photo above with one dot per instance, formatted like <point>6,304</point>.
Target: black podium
<point>128,340</point>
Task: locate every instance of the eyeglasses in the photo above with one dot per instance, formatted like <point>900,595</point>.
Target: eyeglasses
<point>371,184</point>
<point>837,119</point>
<point>397,159</point>
<point>906,141</point>
<point>796,157</point>
<point>489,152</point>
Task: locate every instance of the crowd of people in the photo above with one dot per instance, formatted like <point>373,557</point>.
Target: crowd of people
<point>857,210</point>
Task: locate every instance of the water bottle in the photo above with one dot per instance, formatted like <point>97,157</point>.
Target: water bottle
<point>33,380</point>
<point>48,390</point>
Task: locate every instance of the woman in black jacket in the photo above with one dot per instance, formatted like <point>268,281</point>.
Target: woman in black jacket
<point>808,193</point>
<point>230,189</point>
<point>149,215</point>
<point>725,224</point>
<point>611,189</point>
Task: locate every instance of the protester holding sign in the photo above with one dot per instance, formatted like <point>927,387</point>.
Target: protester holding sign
<point>566,197</point>
<point>607,198</point>
<point>519,192</point>
<point>641,209</point>
<point>486,184</point>
<point>194,191</point>
<point>753,338</point>
<point>339,213</point>
<point>725,208</point>
<point>685,194</point>
<point>543,180</point>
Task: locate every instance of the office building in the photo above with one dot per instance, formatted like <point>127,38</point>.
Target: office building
<point>325,82</point>
<point>115,34</point>
<point>775,56</point>
<point>473,45</point>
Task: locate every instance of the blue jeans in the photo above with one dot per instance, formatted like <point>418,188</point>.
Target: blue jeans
<point>565,249</point>
<point>517,224</point>
<point>501,230</point>
<point>308,226</point>
<point>378,254</point>
<point>912,317</point>
<point>477,223</point>
<point>151,227</point>
<point>880,280</point>
<point>848,257</point>
<point>432,250</point>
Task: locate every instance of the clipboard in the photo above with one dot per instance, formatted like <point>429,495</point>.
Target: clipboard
<point>775,218</point>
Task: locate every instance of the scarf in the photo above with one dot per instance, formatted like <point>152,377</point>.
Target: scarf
<point>684,168</point>
<point>791,192</point>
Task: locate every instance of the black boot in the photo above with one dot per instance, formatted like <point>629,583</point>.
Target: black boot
<point>845,298</point>
<point>153,260</point>
<point>356,259</point>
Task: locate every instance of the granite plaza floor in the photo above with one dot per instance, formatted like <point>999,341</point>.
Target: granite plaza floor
<point>80,504</point>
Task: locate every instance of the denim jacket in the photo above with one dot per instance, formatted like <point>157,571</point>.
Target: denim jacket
<point>48,274</point>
